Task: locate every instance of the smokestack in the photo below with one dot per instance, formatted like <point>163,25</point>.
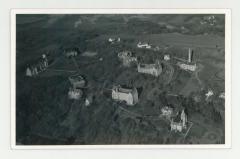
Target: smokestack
<point>190,54</point>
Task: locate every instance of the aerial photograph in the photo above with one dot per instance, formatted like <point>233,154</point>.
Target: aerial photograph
<point>120,79</point>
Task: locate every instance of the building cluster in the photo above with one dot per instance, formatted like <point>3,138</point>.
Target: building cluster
<point>127,58</point>
<point>40,66</point>
<point>152,69</point>
<point>77,83</point>
<point>189,65</point>
<point>211,20</point>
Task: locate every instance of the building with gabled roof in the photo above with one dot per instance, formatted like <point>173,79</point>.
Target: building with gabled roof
<point>179,123</point>
<point>127,57</point>
<point>152,69</point>
<point>129,95</point>
<point>77,81</point>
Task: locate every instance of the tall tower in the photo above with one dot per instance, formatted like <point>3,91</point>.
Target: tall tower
<point>184,118</point>
<point>190,54</point>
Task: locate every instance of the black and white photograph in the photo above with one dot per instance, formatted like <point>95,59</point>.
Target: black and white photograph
<point>104,79</point>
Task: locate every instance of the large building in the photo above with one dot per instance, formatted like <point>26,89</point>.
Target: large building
<point>40,66</point>
<point>179,123</point>
<point>152,69</point>
<point>129,95</point>
<point>126,57</point>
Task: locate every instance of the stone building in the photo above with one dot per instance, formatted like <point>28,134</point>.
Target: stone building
<point>77,81</point>
<point>152,69</point>
<point>127,58</point>
<point>129,95</point>
<point>71,52</point>
<point>40,66</point>
<point>179,123</point>
<point>190,66</point>
<point>167,111</point>
<point>75,93</point>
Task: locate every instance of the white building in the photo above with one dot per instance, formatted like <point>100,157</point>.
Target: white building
<point>190,67</point>
<point>167,111</point>
<point>126,57</point>
<point>114,40</point>
<point>75,93</point>
<point>152,69</point>
<point>88,100</point>
<point>179,123</point>
<point>144,45</point>
<point>29,72</point>
<point>222,95</point>
<point>166,57</point>
<point>209,94</point>
<point>129,95</point>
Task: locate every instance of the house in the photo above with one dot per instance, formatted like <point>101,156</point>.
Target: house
<point>75,93</point>
<point>167,111</point>
<point>152,69</point>
<point>166,57</point>
<point>179,123</point>
<point>77,81</point>
<point>209,94</point>
<point>71,52</point>
<point>128,95</point>
<point>222,95</point>
<point>40,66</point>
<point>114,40</point>
<point>88,100</point>
<point>126,57</point>
<point>189,67</point>
<point>144,45</point>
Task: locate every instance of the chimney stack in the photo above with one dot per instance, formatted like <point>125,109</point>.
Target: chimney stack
<point>190,54</point>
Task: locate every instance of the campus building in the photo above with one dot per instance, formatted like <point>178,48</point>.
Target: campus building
<point>179,123</point>
<point>126,57</point>
<point>152,69</point>
<point>129,95</point>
